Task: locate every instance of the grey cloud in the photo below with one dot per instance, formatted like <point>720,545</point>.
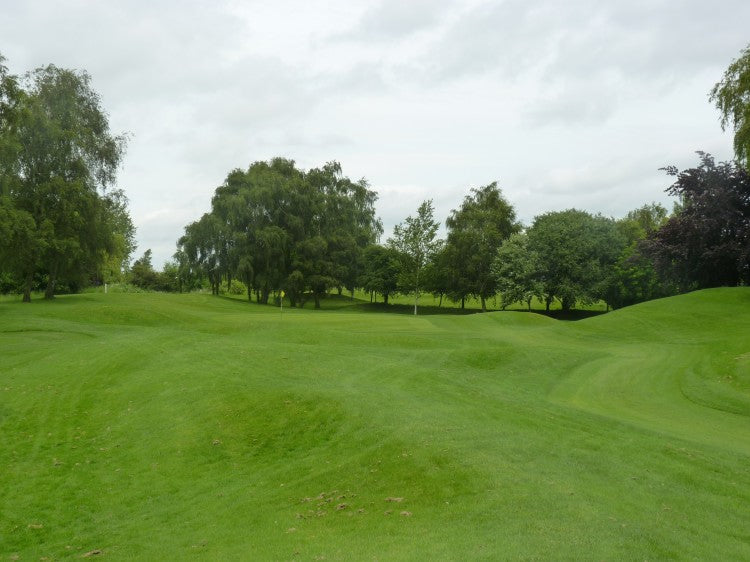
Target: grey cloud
<point>606,51</point>
<point>579,108</point>
<point>428,98</point>
<point>396,19</point>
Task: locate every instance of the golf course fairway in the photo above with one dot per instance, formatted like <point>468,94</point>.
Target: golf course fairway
<point>162,426</point>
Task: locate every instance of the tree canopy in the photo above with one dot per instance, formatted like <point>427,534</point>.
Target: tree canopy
<point>707,242</point>
<point>277,227</point>
<point>573,250</point>
<point>475,232</point>
<point>58,164</point>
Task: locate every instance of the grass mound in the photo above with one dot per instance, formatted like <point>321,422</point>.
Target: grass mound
<point>171,426</point>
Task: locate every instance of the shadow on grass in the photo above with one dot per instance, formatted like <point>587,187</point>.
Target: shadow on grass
<point>407,309</point>
<point>345,303</point>
<point>566,315</point>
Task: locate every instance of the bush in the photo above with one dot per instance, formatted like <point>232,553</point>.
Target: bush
<point>236,287</point>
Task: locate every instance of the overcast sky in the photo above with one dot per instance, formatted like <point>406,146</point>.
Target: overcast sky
<point>574,103</point>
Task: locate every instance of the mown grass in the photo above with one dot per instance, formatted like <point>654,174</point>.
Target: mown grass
<point>187,426</point>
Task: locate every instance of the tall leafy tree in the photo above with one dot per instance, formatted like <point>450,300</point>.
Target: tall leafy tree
<point>574,250</point>
<point>277,227</point>
<point>732,97</point>
<point>58,160</point>
<point>415,240</point>
<point>475,232</point>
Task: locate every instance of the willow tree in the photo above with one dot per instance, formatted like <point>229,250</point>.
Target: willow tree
<point>732,97</point>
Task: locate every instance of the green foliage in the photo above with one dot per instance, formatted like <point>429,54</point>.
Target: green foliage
<point>574,251</point>
<point>381,268</point>
<point>475,232</point>
<point>236,287</point>
<point>633,277</point>
<point>142,273</point>
<point>57,161</point>
<point>515,269</point>
<point>414,240</point>
<point>732,98</point>
<point>277,227</point>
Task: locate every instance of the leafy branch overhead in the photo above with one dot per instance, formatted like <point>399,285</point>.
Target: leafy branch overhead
<point>732,98</point>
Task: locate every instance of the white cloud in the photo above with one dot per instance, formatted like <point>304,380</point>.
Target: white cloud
<point>565,104</point>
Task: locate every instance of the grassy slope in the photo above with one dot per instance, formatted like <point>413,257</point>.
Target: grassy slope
<point>168,426</point>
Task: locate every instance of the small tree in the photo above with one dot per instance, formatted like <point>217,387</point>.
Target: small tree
<point>415,240</point>
<point>142,272</point>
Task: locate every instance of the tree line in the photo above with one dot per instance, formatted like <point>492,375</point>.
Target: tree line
<point>274,228</point>
<point>280,229</point>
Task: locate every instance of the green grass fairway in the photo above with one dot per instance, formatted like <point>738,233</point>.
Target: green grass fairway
<point>150,426</point>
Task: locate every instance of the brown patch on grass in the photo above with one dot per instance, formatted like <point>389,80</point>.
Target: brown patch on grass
<point>95,552</point>
<point>396,500</point>
<point>406,513</point>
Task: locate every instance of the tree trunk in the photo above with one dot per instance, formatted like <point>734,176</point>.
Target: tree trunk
<point>440,304</point>
<point>385,298</point>
<point>49,292</point>
<point>27,287</point>
<point>463,302</point>
<point>548,300</point>
<point>317,300</point>
<point>484,303</point>
<point>416,293</point>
